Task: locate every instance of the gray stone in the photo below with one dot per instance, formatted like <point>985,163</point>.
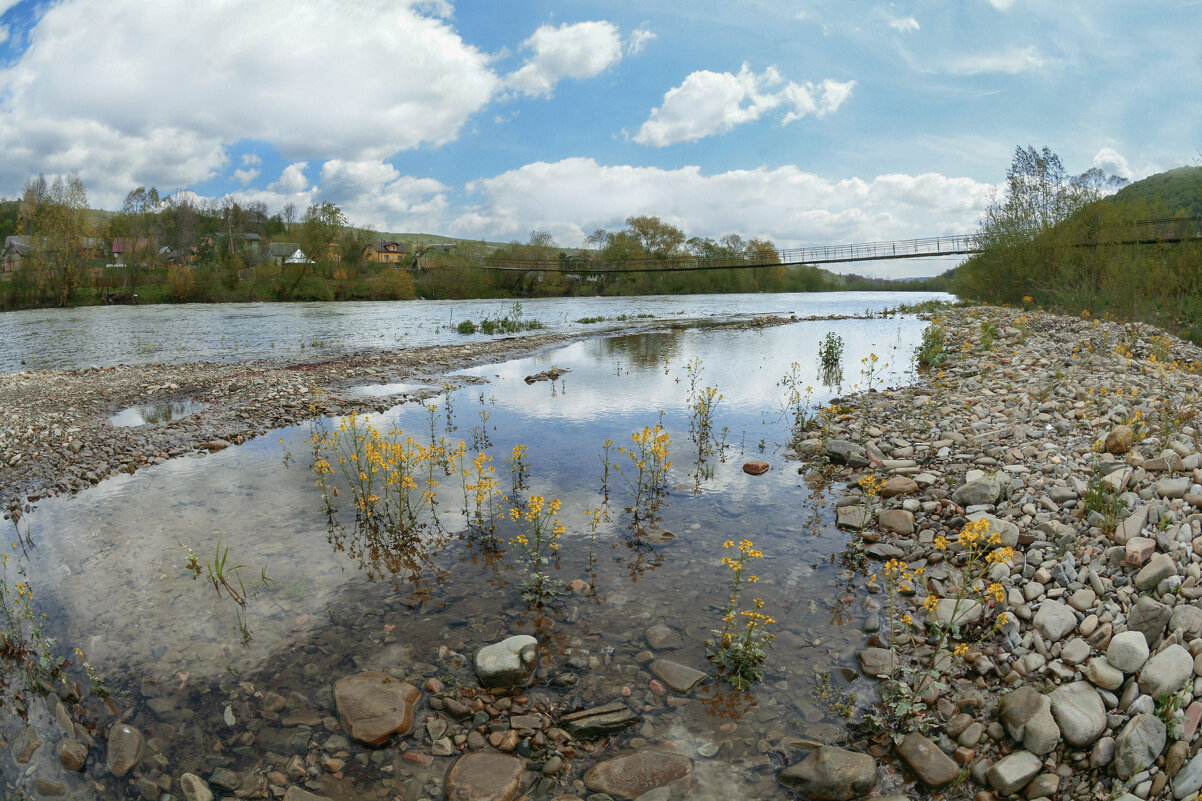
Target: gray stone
<point>978,493</point>
<point>1188,618</point>
<point>1019,707</point>
<point>1042,735</point>
<point>680,678</point>
<point>898,521</point>
<point>1079,713</point>
<point>596,721</point>
<point>877,662</point>
<point>933,768</point>
<point>508,663</point>
<point>945,612</point>
<point>1007,531</point>
<point>1128,651</point>
<point>1150,617</point>
<point>1131,526</point>
<point>661,636</point>
<point>1103,674</point>
<point>1158,568</point>
<point>1189,779</point>
<point>1054,620</point>
<point>1075,651</point>
<point>1172,487</point>
<point>854,517</point>
<point>843,452</point>
<point>1166,672</point>
<point>1138,745</point>
<point>1011,773</point>
<point>831,774</point>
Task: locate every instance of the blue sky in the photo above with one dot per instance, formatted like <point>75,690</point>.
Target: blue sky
<point>807,123</point>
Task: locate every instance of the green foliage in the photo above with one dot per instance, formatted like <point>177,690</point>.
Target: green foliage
<point>466,327</point>
<point>830,352</point>
<point>932,351</point>
<point>1100,498</point>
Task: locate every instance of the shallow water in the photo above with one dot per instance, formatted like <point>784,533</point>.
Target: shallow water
<point>109,565</point>
<point>154,414</point>
<point>67,338</point>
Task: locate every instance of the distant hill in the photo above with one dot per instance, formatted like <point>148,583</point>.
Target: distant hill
<point>1172,191</point>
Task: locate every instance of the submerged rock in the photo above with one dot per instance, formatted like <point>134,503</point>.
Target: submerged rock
<point>632,776</point>
<point>373,706</point>
<point>509,663</point>
<point>484,776</point>
<point>125,745</point>
<point>831,774</point>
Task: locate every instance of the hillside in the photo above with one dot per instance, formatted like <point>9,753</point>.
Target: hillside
<point>1172,191</point>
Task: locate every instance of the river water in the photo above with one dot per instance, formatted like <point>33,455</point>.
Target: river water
<point>42,339</point>
<point>109,565</point>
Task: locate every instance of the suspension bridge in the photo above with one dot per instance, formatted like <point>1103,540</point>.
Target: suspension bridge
<point>1141,232</point>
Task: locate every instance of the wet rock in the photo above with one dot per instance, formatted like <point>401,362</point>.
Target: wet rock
<point>877,662</point>
<point>295,793</point>
<point>24,744</point>
<point>509,663</point>
<point>125,745</point>
<point>1166,672</point>
<point>1189,779</point>
<point>484,776</point>
<point>1079,713</point>
<point>661,636</point>
<point>48,787</point>
<point>1128,651</point>
<point>1011,773</point>
<point>72,755</point>
<point>373,706</point>
<point>755,467</point>
<point>608,719</point>
<point>933,768</point>
<point>1138,745</point>
<point>831,774</point>
<point>632,776</point>
<point>195,788</point>
<point>680,678</point>
<point>853,517</point>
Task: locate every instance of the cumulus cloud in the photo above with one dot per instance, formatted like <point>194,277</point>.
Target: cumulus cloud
<point>574,196</point>
<point>176,70</point>
<point>578,50</point>
<point>639,38</point>
<point>251,159</point>
<point>1111,162</point>
<point>710,103</point>
<point>292,179</point>
<point>244,177</point>
<point>1010,62</point>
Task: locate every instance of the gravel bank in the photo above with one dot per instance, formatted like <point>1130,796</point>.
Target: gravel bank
<point>1076,442</point>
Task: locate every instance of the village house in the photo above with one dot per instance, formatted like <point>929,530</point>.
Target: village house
<point>385,253</point>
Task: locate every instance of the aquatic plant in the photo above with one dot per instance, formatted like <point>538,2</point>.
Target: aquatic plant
<point>871,370</point>
<point>740,653</point>
<point>797,400</point>
<point>23,639</point>
<point>701,403</point>
<point>649,463</point>
<point>519,472</point>
<point>480,485</point>
<point>830,352</point>
<point>538,540</point>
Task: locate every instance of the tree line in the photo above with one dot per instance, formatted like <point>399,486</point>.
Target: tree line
<point>1071,242</point>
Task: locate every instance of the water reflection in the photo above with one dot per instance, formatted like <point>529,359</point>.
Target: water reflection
<point>155,414</point>
<point>354,592</point>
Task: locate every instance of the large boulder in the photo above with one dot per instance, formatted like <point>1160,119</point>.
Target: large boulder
<point>1138,744</point>
<point>640,772</point>
<point>1079,713</point>
<point>978,493</point>
<point>1166,672</point>
<point>933,768</point>
<point>1011,773</point>
<point>1128,650</point>
<point>831,774</point>
<point>1054,620</point>
<point>374,706</point>
<point>1149,616</point>
<point>508,663</point>
<point>484,776</point>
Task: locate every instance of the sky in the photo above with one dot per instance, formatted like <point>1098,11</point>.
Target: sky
<point>806,123</point>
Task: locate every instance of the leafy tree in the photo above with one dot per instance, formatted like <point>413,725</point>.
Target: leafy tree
<point>54,218</point>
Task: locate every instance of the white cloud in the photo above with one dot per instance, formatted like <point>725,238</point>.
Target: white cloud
<point>578,50</point>
<point>710,103</point>
<point>790,206</point>
<point>3,34</point>
<point>1111,162</point>
<point>902,24</point>
<point>251,159</point>
<point>167,88</point>
<point>244,177</point>
<point>292,179</point>
<point>1011,62</point>
<point>639,38</point>
<point>1001,5</point>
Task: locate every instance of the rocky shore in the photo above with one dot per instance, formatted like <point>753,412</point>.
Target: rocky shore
<point>1075,443</point>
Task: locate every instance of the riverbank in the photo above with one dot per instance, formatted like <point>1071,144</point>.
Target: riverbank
<point>1076,656</point>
